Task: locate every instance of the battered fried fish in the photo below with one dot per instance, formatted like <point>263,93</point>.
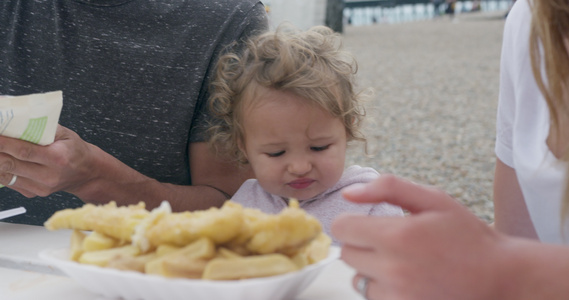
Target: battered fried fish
<point>285,232</point>
<point>218,224</point>
<point>117,222</point>
<point>243,230</point>
<point>230,242</point>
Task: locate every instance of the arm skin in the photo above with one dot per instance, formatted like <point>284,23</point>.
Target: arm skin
<point>442,251</point>
<point>75,166</point>
<point>511,215</point>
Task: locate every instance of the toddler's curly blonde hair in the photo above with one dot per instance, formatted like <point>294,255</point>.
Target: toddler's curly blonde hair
<point>310,64</point>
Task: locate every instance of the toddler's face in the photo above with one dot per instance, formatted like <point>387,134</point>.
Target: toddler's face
<point>295,149</point>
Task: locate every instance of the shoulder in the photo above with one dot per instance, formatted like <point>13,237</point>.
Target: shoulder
<point>249,8</point>
<point>386,209</point>
<point>518,21</point>
<point>357,174</point>
<point>251,192</point>
<point>521,9</point>
<point>243,17</point>
<point>353,174</point>
<point>515,44</point>
<point>249,186</point>
<point>243,5</point>
<point>231,14</point>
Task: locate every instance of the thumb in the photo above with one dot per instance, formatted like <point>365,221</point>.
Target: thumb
<point>400,192</point>
<point>60,131</point>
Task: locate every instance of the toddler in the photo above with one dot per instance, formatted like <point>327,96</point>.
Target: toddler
<point>287,107</point>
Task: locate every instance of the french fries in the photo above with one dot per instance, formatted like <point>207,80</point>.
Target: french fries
<point>248,267</point>
<point>188,262</point>
<point>229,243</point>
<point>103,257</point>
<point>132,263</point>
<point>98,241</point>
<point>76,249</point>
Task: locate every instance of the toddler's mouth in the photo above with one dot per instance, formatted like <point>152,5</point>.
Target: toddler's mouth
<point>301,183</point>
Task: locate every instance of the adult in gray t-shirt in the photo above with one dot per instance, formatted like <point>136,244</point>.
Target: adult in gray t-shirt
<point>134,77</point>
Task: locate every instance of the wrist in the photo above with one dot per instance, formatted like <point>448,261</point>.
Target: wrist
<point>106,175</point>
<point>510,269</point>
<point>532,270</point>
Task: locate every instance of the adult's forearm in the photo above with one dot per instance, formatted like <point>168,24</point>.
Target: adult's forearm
<point>533,270</point>
<point>511,215</point>
<point>112,180</point>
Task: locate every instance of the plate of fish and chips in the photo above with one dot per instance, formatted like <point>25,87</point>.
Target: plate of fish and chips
<point>221,253</point>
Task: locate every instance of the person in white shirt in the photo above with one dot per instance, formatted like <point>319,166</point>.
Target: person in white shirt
<point>441,250</point>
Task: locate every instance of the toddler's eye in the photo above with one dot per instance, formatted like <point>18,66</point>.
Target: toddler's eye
<point>275,154</point>
<point>319,148</point>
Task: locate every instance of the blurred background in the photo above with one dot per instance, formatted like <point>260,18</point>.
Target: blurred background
<point>338,13</point>
<point>433,67</point>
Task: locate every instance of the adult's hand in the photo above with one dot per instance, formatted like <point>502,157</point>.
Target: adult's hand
<point>72,165</point>
<point>64,165</point>
<point>439,251</point>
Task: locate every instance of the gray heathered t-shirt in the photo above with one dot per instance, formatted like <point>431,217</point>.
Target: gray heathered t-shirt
<point>131,71</point>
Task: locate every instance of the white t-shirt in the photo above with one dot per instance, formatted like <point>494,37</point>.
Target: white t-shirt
<point>522,129</point>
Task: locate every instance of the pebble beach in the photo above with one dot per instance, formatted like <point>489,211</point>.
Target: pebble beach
<point>431,117</point>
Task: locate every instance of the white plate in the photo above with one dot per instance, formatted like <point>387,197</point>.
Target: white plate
<point>132,285</point>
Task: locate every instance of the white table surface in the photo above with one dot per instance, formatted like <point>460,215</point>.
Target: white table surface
<point>24,276</point>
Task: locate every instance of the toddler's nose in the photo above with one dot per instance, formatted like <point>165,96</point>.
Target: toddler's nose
<point>299,167</point>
